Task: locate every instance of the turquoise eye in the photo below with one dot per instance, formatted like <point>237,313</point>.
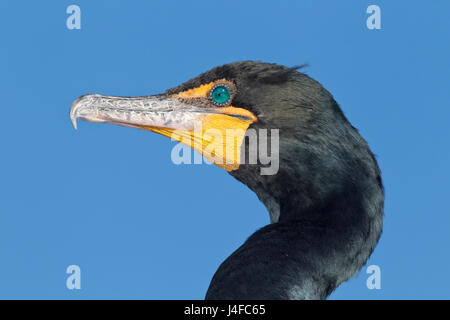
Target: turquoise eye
<point>221,95</point>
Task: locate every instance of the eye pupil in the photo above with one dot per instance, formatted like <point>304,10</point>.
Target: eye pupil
<point>221,95</point>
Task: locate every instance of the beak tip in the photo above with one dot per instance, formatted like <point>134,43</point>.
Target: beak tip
<point>74,111</point>
<point>73,118</point>
<point>74,123</point>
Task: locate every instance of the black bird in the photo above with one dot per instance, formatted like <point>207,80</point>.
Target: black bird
<point>325,197</point>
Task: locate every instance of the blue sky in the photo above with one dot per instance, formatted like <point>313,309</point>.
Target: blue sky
<point>110,200</point>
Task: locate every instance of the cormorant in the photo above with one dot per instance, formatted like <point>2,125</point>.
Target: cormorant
<point>326,199</point>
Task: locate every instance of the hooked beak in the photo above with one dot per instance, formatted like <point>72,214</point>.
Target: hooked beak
<point>145,112</point>
<point>199,127</point>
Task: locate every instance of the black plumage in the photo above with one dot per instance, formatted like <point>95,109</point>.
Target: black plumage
<point>325,202</point>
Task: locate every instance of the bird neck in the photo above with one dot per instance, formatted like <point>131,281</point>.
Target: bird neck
<point>325,224</point>
<point>304,258</point>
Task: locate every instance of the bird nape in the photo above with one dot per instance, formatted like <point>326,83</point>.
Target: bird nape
<point>325,199</point>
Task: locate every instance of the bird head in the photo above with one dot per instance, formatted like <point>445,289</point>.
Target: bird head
<point>316,153</point>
